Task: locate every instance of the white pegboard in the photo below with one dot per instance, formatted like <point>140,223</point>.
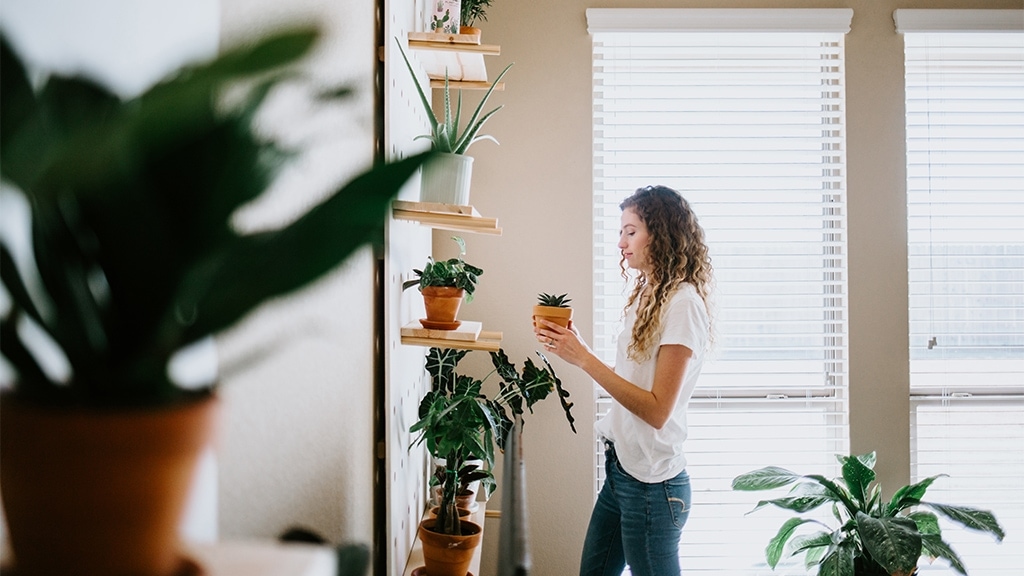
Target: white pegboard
<point>407,246</point>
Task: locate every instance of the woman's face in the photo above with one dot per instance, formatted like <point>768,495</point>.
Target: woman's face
<point>633,240</point>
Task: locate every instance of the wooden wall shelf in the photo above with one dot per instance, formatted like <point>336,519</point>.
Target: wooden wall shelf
<point>461,56</point>
<point>486,341</point>
<point>445,217</point>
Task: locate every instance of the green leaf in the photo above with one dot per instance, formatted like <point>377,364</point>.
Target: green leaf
<point>767,478</point>
<point>773,553</point>
<point>858,476</point>
<point>563,394</point>
<point>837,491</point>
<point>19,102</point>
<point>973,518</point>
<point>838,562</point>
<point>935,547</point>
<point>809,541</point>
<point>797,503</point>
<point>441,363</point>
<point>221,291</point>
<point>893,543</point>
<point>909,495</point>
<point>927,523</point>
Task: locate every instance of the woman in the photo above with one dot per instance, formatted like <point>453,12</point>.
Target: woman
<point>645,501</point>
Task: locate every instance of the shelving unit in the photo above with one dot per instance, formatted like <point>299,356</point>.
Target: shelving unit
<point>445,217</point>
<point>461,219</point>
<point>461,56</point>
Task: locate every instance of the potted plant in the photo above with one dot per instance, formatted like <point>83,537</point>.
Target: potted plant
<point>446,178</point>
<point>471,11</point>
<point>455,423</point>
<point>469,479</point>
<point>553,309</point>
<point>459,423</point>
<point>133,259</point>
<point>873,537</point>
<point>444,284</point>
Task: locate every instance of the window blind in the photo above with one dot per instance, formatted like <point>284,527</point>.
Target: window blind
<point>749,127</point>
<point>965,229</point>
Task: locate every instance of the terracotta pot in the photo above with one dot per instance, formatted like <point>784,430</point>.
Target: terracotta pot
<point>464,513</point>
<point>560,316</point>
<point>470,31</point>
<point>466,499</point>
<point>442,303</point>
<point>446,555</point>
<point>97,492</point>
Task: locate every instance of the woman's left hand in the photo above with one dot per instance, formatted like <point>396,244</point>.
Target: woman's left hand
<point>564,342</point>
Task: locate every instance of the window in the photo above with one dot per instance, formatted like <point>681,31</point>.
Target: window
<point>743,112</point>
<point>965,228</point>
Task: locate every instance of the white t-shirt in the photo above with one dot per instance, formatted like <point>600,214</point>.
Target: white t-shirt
<point>647,454</point>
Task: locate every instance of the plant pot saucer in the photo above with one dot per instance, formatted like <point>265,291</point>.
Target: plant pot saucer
<point>431,325</point>
<point>422,571</point>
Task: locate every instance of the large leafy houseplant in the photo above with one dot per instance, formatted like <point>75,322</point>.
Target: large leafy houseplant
<point>458,422</point>
<point>133,258</point>
<point>131,220</point>
<point>873,537</point>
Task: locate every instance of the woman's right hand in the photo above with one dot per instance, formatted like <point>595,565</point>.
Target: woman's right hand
<point>565,343</point>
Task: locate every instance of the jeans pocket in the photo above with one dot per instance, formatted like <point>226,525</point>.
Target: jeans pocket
<point>677,492</point>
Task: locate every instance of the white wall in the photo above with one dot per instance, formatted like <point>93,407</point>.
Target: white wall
<point>297,444</point>
<point>126,44</point>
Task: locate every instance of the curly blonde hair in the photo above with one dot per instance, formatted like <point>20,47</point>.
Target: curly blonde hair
<point>677,254</point>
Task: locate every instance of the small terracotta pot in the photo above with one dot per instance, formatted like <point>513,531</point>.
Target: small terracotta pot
<point>446,555</point>
<point>464,513</point>
<point>442,303</point>
<point>466,499</point>
<point>96,492</point>
<point>560,316</point>
<point>470,31</point>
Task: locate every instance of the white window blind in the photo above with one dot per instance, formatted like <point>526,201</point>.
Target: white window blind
<point>742,111</point>
<point>965,228</point>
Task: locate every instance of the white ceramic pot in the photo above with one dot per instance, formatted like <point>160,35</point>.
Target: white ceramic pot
<point>446,179</point>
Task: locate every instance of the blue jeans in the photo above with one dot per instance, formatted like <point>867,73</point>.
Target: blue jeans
<point>635,523</point>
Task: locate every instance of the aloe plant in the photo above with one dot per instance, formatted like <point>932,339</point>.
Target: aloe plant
<point>559,301</point>
<point>873,536</point>
<point>444,132</point>
<point>131,205</point>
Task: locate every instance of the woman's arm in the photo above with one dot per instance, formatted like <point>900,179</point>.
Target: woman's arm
<point>653,407</point>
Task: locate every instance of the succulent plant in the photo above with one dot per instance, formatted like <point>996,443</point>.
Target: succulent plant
<point>560,301</point>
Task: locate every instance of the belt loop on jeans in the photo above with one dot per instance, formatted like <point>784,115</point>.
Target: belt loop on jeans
<point>608,444</point>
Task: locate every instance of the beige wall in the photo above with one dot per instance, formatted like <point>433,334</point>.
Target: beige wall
<point>538,183</point>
